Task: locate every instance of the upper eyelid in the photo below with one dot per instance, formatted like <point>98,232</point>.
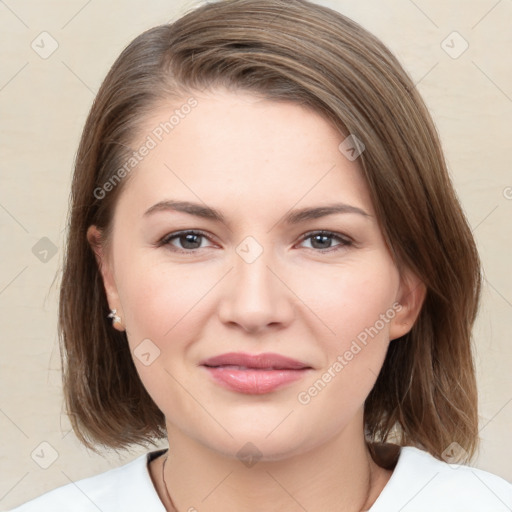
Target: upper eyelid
<point>177,234</point>
<point>326,232</point>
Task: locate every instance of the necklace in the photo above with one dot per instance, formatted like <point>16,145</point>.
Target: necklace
<point>370,478</point>
<point>165,486</point>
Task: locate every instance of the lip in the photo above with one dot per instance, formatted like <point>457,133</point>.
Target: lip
<point>267,360</point>
<point>254,374</point>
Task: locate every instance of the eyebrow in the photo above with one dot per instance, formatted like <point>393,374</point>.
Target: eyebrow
<point>293,217</point>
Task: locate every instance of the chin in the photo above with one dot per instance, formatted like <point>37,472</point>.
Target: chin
<point>250,446</point>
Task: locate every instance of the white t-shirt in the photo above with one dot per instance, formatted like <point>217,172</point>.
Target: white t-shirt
<point>419,483</point>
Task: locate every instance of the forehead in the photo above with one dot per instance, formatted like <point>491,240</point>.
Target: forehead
<point>237,145</point>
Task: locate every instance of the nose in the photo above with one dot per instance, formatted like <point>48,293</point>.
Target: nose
<point>256,297</point>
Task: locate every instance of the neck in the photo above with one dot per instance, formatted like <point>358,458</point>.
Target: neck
<point>338,475</point>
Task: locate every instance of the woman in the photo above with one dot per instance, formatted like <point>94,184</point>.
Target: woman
<point>267,265</point>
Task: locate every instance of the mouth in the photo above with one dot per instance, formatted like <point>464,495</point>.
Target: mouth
<point>254,374</point>
<point>265,361</point>
<point>239,367</point>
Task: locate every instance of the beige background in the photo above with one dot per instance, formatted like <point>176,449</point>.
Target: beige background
<point>44,103</point>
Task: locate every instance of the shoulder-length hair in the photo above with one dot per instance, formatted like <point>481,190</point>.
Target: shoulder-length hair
<point>292,50</point>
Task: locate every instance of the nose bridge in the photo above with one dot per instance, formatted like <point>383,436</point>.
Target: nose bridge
<point>252,269</point>
<point>256,297</point>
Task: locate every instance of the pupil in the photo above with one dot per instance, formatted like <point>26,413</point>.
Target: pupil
<point>189,239</point>
<point>325,238</point>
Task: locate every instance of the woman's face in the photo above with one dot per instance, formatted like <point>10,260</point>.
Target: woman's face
<point>262,280</point>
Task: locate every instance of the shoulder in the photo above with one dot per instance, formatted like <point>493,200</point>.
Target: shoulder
<point>420,482</point>
<point>128,488</point>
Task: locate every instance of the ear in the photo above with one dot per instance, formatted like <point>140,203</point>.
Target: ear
<point>411,295</point>
<point>94,237</point>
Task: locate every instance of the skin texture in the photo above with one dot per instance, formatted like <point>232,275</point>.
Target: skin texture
<point>255,160</point>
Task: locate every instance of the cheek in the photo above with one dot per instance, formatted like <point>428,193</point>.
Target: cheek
<point>346,300</point>
<point>355,306</point>
<point>165,306</point>
<point>170,305</point>
<point>358,305</point>
<point>161,302</point>
<point>336,303</point>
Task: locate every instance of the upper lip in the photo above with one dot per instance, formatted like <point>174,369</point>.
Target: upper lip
<point>267,360</point>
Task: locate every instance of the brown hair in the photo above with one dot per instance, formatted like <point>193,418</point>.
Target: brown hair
<point>292,50</point>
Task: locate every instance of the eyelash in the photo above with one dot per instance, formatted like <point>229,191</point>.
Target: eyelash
<point>345,241</point>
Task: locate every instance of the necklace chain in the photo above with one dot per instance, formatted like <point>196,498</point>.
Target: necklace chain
<point>174,509</point>
<point>165,486</point>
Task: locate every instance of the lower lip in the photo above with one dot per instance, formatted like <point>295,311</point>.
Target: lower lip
<point>254,382</point>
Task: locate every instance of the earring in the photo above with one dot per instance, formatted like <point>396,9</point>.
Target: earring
<point>115,320</point>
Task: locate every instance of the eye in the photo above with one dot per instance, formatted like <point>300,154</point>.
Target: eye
<point>322,240</point>
<point>189,240</point>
